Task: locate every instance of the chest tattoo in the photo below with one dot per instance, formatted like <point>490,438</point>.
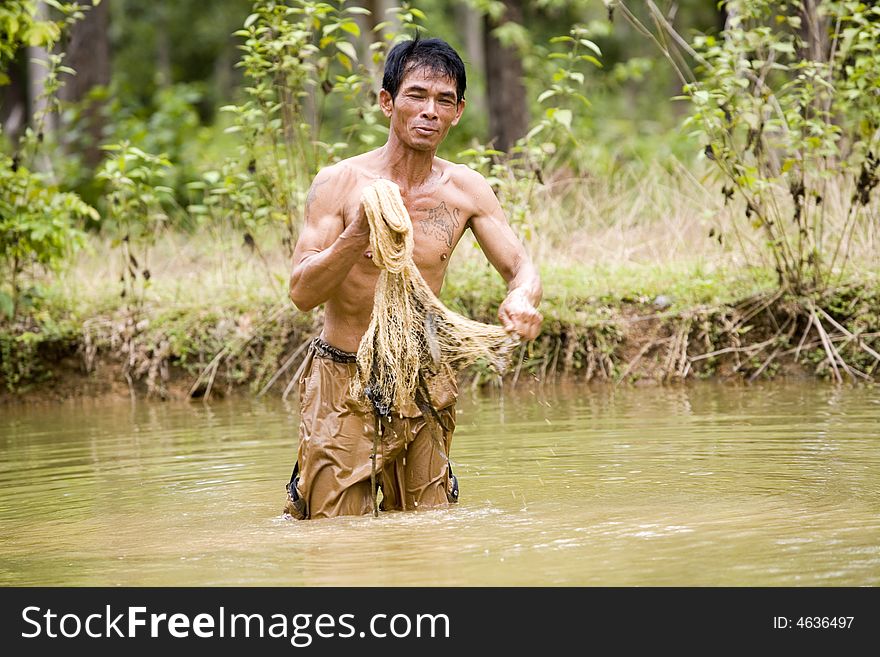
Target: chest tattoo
<point>441,223</point>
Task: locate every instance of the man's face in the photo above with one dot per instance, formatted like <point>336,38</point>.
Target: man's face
<point>425,107</point>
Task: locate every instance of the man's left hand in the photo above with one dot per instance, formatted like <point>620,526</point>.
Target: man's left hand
<point>518,315</point>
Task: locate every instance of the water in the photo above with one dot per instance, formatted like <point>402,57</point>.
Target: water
<point>706,485</point>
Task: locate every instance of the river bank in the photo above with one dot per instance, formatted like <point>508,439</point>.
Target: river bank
<point>714,324</point>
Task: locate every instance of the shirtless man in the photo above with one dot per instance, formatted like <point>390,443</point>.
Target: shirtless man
<point>423,96</point>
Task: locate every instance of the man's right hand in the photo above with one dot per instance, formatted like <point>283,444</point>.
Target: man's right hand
<point>358,229</point>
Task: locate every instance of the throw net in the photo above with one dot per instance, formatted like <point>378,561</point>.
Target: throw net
<point>411,333</point>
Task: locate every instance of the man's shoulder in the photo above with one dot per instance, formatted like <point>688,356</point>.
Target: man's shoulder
<point>464,177</point>
<point>468,181</point>
<point>336,172</point>
<point>349,168</point>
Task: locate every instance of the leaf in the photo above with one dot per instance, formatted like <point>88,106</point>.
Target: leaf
<point>43,34</point>
<point>546,94</point>
<point>352,28</point>
<point>583,99</point>
<point>563,116</point>
<point>592,46</point>
<point>347,48</point>
<point>250,20</point>
<point>345,61</point>
<point>783,47</point>
<point>534,131</point>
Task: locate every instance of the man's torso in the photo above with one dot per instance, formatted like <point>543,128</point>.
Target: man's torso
<point>440,211</point>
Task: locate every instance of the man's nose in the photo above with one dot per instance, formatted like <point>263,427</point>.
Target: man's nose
<point>429,109</point>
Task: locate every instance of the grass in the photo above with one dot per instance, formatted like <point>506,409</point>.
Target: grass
<point>648,236</point>
<point>608,251</point>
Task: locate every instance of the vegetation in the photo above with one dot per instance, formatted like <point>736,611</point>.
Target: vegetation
<point>712,211</point>
<point>785,100</point>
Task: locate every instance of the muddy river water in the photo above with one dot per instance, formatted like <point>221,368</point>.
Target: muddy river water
<point>704,485</point>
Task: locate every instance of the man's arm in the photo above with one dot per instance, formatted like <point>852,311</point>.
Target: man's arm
<point>518,312</point>
<point>326,248</point>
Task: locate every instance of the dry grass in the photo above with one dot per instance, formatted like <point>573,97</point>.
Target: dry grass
<point>642,234</point>
<point>634,286</point>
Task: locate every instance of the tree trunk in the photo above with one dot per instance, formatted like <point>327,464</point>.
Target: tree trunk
<point>163,48</point>
<point>378,14</point>
<point>13,101</point>
<point>814,30</point>
<point>88,53</point>
<point>508,108</point>
<point>225,75</point>
<point>468,24</point>
<point>38,60</point>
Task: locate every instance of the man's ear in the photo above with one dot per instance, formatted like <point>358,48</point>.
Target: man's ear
<point>386,102</point>
<point>459,112</point>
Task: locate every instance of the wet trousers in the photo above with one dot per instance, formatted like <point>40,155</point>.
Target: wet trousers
<point>336,442</point>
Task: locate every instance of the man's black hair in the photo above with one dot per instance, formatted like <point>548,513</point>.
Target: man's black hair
<point>434,54</point>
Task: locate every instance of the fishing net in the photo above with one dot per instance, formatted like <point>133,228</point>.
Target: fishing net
<point>411,333</point>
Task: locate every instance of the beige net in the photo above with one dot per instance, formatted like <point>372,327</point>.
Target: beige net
<point>411,333</point>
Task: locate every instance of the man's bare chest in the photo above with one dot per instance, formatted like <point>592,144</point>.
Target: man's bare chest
<point>439,217</point>
<point>438,221</point>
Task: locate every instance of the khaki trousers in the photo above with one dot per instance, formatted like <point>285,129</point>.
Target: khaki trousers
<point>336,442</point>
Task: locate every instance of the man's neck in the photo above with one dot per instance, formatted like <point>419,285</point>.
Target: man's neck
<point>409,168</point>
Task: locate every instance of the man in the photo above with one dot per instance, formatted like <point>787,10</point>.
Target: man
<point>423,96</point>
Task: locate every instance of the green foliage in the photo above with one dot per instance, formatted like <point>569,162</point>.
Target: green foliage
<point>163,44</point>
<point>20,27</point>
<point>19,364</point>
<point>517,176</point>
<point>38,227</point>
<point>168,124</point>
<point>38,220</point>
<point>786,101</point>
<point>566,86</point>
<point>290,57</point>
<point>135,190</point>
<point>301,63</point>
<point>135,197</point>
